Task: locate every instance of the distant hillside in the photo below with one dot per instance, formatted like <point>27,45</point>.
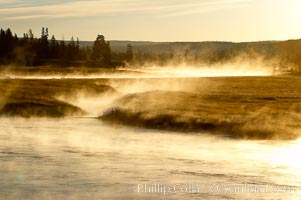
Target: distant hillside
<point>285,54</point>
<point>144,46</point>
<point>166,47</point>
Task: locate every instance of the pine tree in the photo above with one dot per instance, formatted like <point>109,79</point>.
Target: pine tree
<point>44,51</point>
<point>30,34</point>
<point>101,51</point>
<point>53,50</point>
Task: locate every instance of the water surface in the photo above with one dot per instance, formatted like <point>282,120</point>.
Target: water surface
<point>81,158</point>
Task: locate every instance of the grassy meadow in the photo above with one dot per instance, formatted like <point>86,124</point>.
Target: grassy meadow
<point>238,107</point>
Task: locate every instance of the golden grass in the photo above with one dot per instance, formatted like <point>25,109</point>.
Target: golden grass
<point>37,98</point>
<point>240,107</point>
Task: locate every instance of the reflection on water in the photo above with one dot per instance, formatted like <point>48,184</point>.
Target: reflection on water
<point>80,158</point>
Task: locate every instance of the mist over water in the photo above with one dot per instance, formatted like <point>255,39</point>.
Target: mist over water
<point>76,158</point>
<point>85,158</point>
<point>209,111</point>
<point>152,71</point>
<point>224,70</point>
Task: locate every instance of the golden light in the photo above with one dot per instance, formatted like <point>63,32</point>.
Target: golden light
<point>287,156</point>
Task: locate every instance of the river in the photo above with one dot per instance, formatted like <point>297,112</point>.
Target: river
<point>82,158</point>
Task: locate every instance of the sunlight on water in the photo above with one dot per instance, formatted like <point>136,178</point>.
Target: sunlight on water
<point>81,158</point>
<point>288,156</point>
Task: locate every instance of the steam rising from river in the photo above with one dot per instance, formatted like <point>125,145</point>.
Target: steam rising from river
<point>203,71</point>
<point>76,158</point>
<point>149,71</point>
<point>84,158</point>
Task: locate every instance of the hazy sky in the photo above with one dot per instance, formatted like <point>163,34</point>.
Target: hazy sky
<point>156,20</point>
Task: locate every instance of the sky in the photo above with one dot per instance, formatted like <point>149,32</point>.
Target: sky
<point>156,20</point>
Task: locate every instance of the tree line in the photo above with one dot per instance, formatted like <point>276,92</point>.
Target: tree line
<point>31,51</point>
